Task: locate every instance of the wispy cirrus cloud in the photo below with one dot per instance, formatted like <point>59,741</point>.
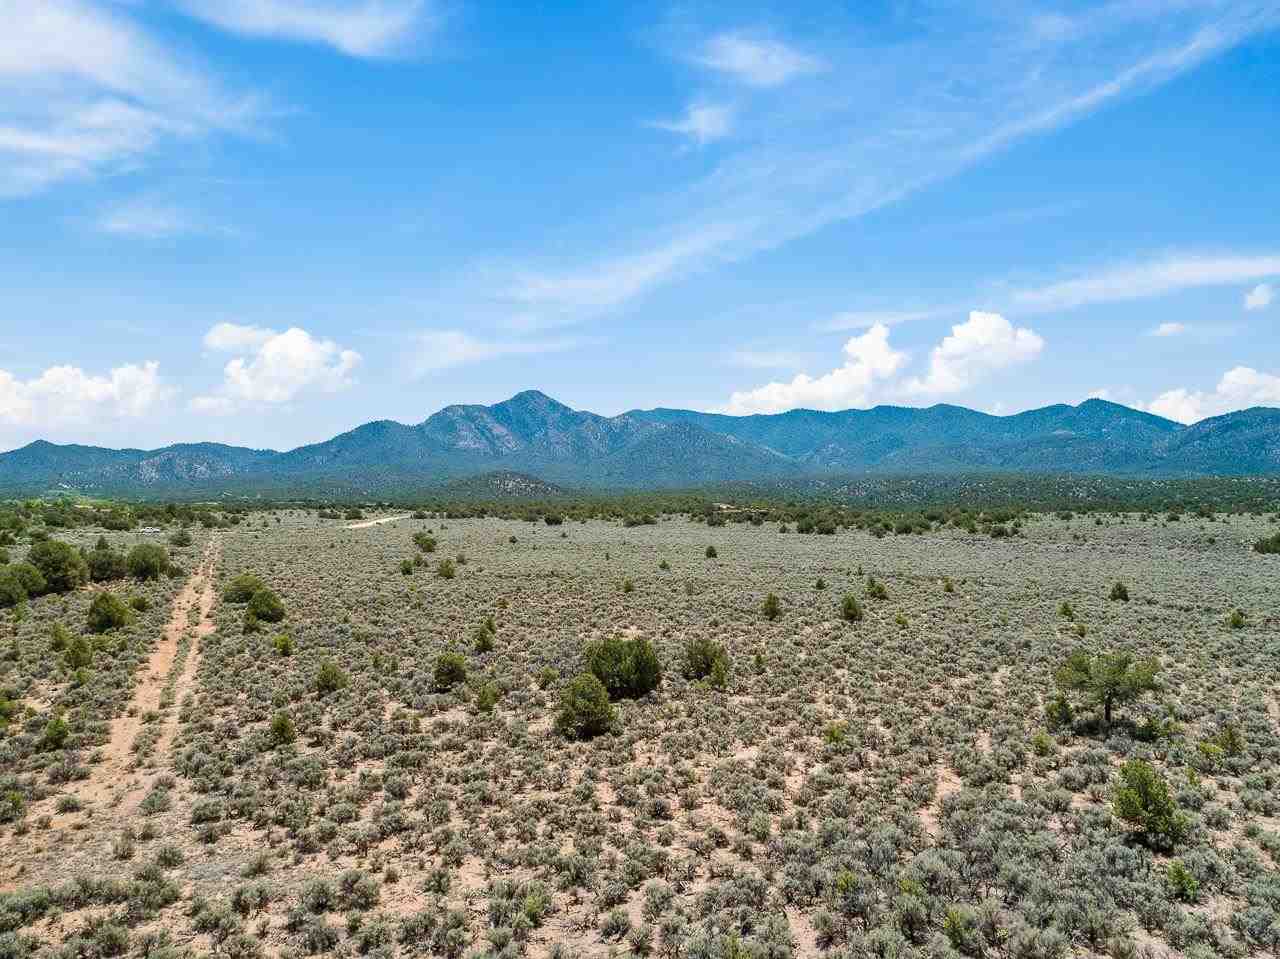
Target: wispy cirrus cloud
<point>756,60</point>
<point>834,154</point>
<point>1156,277</point>
<point>1260,297</point>
<point>84,90</point>
<point>149,218</point>
<point>702,122</point>
<point>436,350</point>
<point>358,28</point>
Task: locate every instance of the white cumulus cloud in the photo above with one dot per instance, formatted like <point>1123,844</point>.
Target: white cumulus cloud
<point>1240,388</point>
<point>984,343</point>
<point>274,367</point>
<point>1169,329</point>
<point>869,360</point>
<point>67,394</point>
<point>1259,297</point>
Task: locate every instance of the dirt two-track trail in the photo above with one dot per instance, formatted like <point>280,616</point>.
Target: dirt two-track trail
<point>116,784</point>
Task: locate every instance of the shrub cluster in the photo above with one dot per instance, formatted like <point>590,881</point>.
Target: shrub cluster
<point>628,668</point>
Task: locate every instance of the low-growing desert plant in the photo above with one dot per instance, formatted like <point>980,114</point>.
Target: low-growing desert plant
<point>1268,544</point>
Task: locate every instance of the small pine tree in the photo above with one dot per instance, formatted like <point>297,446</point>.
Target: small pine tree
<point>1120,592</point>
<point>772,607</point>
<point>585,710</point>
<point>242,588</point>
<point>1108,679</point>
<point>283,732</point>
<point>148,561</point>
<point>330,678</point>
<point>702,656</point>
<point>1141,798</point>
<point>451,669</point>
<point>851,609</point>
<point>107,612</point>
<point>266,606</point>
<point>711,552</point>
<point>78,654</point>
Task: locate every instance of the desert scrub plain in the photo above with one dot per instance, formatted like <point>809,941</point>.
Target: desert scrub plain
<point>886,759</point>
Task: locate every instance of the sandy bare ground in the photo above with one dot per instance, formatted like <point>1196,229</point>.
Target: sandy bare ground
<point>115,781</point>
<point>376,522</point>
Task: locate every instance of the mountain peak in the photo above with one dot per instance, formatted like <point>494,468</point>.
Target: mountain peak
<point>533,399</point>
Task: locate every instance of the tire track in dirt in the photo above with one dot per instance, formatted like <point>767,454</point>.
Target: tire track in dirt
<point>116,781</point>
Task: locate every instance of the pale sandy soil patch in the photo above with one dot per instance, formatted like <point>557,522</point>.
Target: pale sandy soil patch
<point>376,522</point>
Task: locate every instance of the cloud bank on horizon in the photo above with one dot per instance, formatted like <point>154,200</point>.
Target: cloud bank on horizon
<point>334,208</point>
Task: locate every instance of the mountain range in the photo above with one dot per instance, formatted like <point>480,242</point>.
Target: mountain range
<point>534,436</point>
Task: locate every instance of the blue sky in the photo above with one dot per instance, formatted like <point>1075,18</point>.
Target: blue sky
<point>267,221</point>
